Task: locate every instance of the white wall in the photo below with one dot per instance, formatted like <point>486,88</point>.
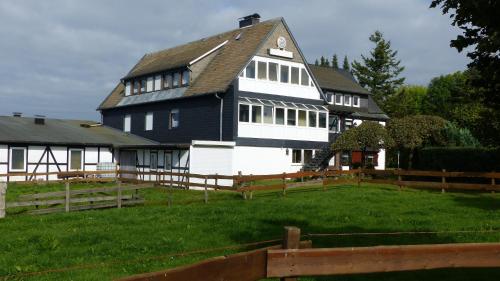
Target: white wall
<point>212,157</point>
<point>270,131</point>
<point>263,160</point>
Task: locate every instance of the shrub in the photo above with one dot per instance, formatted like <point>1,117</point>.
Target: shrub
<point>474,159</point>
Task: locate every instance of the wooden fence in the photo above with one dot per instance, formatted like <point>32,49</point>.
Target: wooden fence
<point>294,260</point>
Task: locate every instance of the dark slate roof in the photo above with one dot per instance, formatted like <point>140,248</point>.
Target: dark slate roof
<point>66,132</point>
<point>229,60</point>
<point>336,80</point>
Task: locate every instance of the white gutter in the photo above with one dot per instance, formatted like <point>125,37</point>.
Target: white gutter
<point>208,53</point>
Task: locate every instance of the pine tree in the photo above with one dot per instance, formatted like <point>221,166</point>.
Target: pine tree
<point>322,61</point>
<point>335,62</point>
<point>379,72</point>
<point>327,63</point>
<point>316,62</point>
<point>346,64</point>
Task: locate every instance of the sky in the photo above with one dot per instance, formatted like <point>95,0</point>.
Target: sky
<point>61,58</point>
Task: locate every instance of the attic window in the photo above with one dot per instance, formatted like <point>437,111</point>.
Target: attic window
<point>355,101</point>
<point>295,75</point>
<point>185,77</point>
<point>143,85</point>
<point>304,77</point>
<point>136,87</point>
<point>177,80</point>
<point>167,81</point>
<point>128,88</point>
<point>250,70</point>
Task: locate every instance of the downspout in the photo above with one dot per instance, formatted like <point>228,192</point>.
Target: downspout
<point>220,121</point>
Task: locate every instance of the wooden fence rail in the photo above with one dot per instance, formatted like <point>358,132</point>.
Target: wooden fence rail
<point>295,259</point>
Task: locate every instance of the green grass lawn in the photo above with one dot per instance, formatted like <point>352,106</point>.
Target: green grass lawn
<point>121,242</point>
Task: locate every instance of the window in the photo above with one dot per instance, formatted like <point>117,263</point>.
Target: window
<point>149,84</point>
<point>355,101</point>
<point>322,120</point>
<point>185,77</point>
<point>128,89</point>
<point>157,86</point>
<point>345,159</point>
<point>280,116</point>
<point>262,70</point>
<point>291,117</point>
<point>167,81</point>
<point>75,159</point>
<point>273,71</point>
<point>284,77</point>
<point>136,87</point>
<point>297,156</point>
<point>268,114</point>
<point>149,121</point>
<point>295,75</point>
<point>308,155</point>
<point>153,160</point>
<point>330,97</point>
<point>347,100</point>
<point>302,118</point>
<point>173,120</point>
<point>177,80</point>
<point>334,123</point>
<point>168,161</point>
<point>313,119</point>
<point>250,70</point>
<point>126,123</point>
<point>143,85</point>
<point>244,113</point>
<point>339,99</point>
<point>348,124</point>
<point>256,114</point>
<point>17,159</point>
<point>304,77</point>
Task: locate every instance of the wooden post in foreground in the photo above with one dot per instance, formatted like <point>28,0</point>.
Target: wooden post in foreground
<point>206,190</point>
<point>291,241</point>
<point>119,195</point>
<point>68,196</point>
<point>284,184</point>
<point>3,192</point>
<point>443,181</point>
<point>399,179</point>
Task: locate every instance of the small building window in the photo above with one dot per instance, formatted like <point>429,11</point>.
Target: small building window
<point>177,80</point>
<point>304,77</point>
<point>355,101</point>
<point>345,159</point>
<point>295,75</point>
<point>313,119</point>
<point>285,74</point>
<point>75,159</point>
<point>137,85</point>
<point>322,120</point>
<point>347,100</point>
<point>173,120</point>
<point>128,88</point>
<point>153,161</point>
<point>185,78</point>
<point>262,70</point>
<point>297,156</point>
<point>244,113</point>
<point>348,124</point>
<point>17,159</point>
<point>143,85</point>
<point>339,99</point>
<point>330,98</point>
<point>308,155</point>
<point>126,123</point>
<point>250,70</point>
<point>291,117</point>
<point>273,71</point>
<point>167,81</point>
<point>302,118</point>
<point>334,123</point>
<point>280,116</point>
<point>149,121</point>
<point>268,114</point>
<point>256,114</point>
<point>168,161</point>
<point>157,85</point>
<point>150,84</point>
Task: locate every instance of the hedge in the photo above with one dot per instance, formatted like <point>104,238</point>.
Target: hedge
<point>457,159</point>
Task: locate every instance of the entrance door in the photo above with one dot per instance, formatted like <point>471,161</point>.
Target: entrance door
<point>128,163</point>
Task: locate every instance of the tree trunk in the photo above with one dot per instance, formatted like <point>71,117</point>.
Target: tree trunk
<point>410,159</point>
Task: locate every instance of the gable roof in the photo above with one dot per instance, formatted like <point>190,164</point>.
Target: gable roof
<point>23,130</point>
<point>337,80</point>
<point>228,61</point>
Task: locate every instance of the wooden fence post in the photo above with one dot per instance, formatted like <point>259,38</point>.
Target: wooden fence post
<point>3,192</point>
<point>443,181</point>
<point>68,196</point>
<point>399,179</point>
<point>284,184</point>
<point>216,181</point>
<point>171,189</point>
<point>119,195</point>
<point>291,241</point>
<point>493,182</point>
<point>206,190</point>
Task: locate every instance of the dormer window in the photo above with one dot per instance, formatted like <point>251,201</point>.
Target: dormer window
<point>250,70</point>
<point>136,87</point>
<point>295,75</point>
<point>128,89</point>
<point>304,77</point>
<point>177,80</point>
<point>355,101</point>
<point>185,78</point>
<point>347,100</point>
<point>143,85</point>
<point>167,81</point>
<point>339,99</point>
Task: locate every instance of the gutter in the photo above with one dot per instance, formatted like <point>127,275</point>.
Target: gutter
<point>220,114</point>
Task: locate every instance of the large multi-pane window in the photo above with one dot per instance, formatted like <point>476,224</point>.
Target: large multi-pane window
<point>291,117</point>
<point>256,114</point>
<point>295,75</point>
<point>322,120</point>
<point>285,74</point>
<point>167,81</point>
<point>304,77</point>
<point>244,113</point>
<point>297,156</point>
<point>250,70</point>
<point>280,116</point>
<point>17,159</point>
<point>313,119</point>
<point>262,70</point>
<point>302,118</point>
<point>268,114</point>
<point>273,71</point>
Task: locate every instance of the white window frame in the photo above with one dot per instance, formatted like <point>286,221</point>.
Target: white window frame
<point>347,100</point>
<point>284,115</point>
<point>150,84</point>
<point>171,119</point>
<point>24,157</point>
<point>157,83</point>
<point>128,88</point>
<point>151,153</point>
<point>317,120</point>
<point>261,113</point>
<point>167,166</point>
<point>264,116</point>
<point>359,101</point>
<point>341,99</point>
<point>257,69</point>
<point>81,160</point>
<point>249,112</point>
<point>148,126</point>
<point>127,122</point>
<point>301,157</point>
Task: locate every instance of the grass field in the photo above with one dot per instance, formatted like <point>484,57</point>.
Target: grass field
<point>112,243</point>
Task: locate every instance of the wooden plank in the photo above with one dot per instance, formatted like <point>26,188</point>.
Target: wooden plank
<point>317,262</point>
<point>35,203</point>
<point>338,181</point>
<point>98,199</point>
<point>291,240</point>
<point>261,187</point>
<point>41,195</point>
<point>380,181</point>
<point>84,207</point>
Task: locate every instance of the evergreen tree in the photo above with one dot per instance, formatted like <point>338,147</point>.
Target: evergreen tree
<point>379,72</point>
<point>346,65</point>
<point>335,62</point>
<point>316,62</point>
<point>327,63</point>
<point>322,61</point>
